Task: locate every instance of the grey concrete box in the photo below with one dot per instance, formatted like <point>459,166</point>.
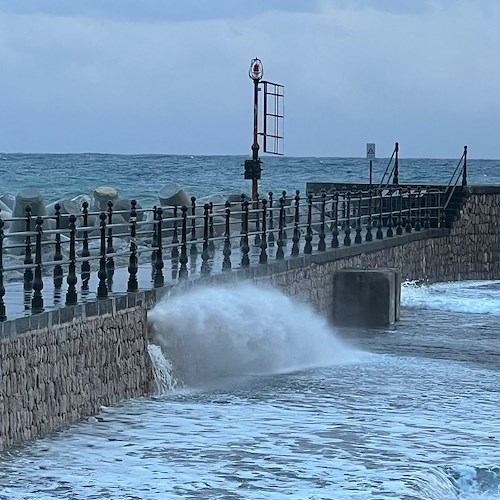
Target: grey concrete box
<point>366,297</point>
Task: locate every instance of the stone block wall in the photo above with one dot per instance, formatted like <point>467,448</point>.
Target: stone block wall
<point>58,374</point>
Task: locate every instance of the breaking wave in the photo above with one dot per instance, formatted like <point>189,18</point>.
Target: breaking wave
<point>217,332</point>
<point>471,297</point>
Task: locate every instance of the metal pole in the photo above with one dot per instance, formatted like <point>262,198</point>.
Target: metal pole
<point>371,172</point>
<point>252,167</point>
<point>395,180</point>
<point>255,145</point>
<point>464,173</point>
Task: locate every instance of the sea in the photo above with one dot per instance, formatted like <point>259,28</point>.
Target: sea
<point>257,395</point>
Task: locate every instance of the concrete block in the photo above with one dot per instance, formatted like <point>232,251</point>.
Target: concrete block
<point>366,297</point>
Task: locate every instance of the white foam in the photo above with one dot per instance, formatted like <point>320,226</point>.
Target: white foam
<point>217,332</point>
<point>471,297</point>
<point>477,482</point>
<point>162,370</point>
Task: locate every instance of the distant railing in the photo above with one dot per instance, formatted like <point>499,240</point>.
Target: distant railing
<point>65,250</point>
<point>460,173</point>
<point>393,172</point>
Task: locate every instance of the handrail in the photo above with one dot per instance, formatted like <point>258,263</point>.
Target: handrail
<point>394,171</point>
<point>455,177</point>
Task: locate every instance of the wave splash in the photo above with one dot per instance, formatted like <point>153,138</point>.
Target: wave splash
<point>456,482</point>
<point>213,333</point>
<point>471,297</point>
<point>162,370</point>
<point>476,482</point>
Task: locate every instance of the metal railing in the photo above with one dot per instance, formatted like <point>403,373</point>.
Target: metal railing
<point>64,251</point>
<point>460,173</point>
<point>393,172</point>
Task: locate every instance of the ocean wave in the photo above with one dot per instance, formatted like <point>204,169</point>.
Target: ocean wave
<point>216,332</point>
<point>470,297</point>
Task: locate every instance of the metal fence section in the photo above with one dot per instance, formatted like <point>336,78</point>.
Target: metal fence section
<point>71,253</point>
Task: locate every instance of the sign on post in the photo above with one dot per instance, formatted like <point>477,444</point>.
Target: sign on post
<point>370,151</point>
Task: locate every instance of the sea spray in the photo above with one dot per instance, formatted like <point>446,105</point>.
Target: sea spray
<point>211,333</point>
<point>162,370</point>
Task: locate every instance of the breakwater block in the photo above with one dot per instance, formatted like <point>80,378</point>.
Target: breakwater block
<point>366,297</point>
<point>102,195</point>
<point>27,197</point>
<point>173,194</point>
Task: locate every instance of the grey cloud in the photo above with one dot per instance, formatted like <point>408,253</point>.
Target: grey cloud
<point>352,75</point>
<point>166,10</point>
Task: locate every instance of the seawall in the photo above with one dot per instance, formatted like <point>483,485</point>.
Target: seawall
<point>60,366</point>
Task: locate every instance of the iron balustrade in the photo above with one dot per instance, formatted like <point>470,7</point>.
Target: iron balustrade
<point>198,240</point>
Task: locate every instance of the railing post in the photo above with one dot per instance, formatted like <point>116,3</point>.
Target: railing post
<point>335,220</point>
<point>347,227</point>
<point>3,315</point>
<point>58,272</point>
<point>71,280</point>
<point>263,243</point>
<point>308,237</point>
<point>183,271</point>
<point>133,285</point>
<point>395,179</point>
<point>28,258</point>
<point>296,229</point>
<point>245,247</point>
<point>270,238</point>
<point>85,268</point>
<point>257,222</point>
<point>441,212</point>
<point>110,263</point>
<point>205,267</point>
<point>193,251</point>
<point>427,223</point>
<point>399,227</point>
<point>37,302</point>
<point>464,175</point>
<point>280,254</point>
<point>102,288</point>
<point>357,238</point>
<point>226,263</point>
<point>284,236</point>
<point>408,226</point>
<point>154,241</point>
<point>390,233</point>
<point>418,224</point>
<point>175,237</point>
<point>211,244</point>
<point>380,234</point>
<point>322,234</point>
<point>158,277</point>
<point>369,235</point>
<point>242,231</point>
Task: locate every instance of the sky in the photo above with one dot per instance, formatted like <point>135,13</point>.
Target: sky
<point>171,76</point>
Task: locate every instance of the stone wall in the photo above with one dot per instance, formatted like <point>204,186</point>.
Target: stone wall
<point>58,374</point>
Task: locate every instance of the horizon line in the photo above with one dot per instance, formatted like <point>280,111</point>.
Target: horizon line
<point>236,155</point>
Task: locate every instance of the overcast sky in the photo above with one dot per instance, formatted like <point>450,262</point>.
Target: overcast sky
<point>171,76</point>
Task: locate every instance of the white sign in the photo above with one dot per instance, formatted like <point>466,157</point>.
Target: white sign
<point>370,151</point>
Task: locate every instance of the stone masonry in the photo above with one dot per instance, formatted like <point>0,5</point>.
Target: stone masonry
<point>54,376</point>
